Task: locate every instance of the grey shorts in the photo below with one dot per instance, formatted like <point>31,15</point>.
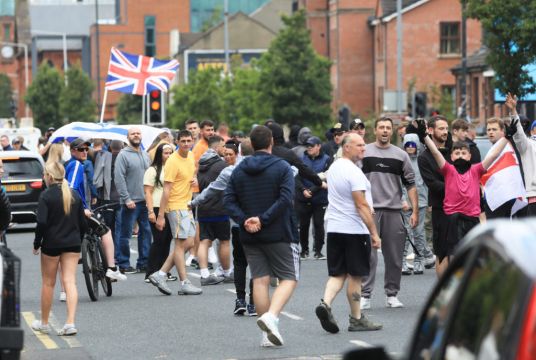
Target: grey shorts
<point>280,259</point>
<point>182,223</point>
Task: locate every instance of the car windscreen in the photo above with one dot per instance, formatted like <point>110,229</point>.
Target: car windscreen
<point>22,168</point>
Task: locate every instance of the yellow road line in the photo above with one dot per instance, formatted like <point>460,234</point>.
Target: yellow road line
<point>70,340</point>
<point>50,344</point>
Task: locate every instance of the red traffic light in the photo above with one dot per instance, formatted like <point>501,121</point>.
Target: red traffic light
<point>155,94</point>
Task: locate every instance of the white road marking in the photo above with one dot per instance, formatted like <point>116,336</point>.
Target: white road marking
<point>195,275</point>
<point>132,251</point>
<point>291,316</point>
<point>231,291</point>
<point>360,343</point>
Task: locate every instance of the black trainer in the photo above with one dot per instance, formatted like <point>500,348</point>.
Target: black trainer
<point>319,256</point>
<point>240,307</point>
<point>323,312</point>
<point>128,270</point>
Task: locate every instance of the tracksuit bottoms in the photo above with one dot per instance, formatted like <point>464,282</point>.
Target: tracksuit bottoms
<point>390,225</point>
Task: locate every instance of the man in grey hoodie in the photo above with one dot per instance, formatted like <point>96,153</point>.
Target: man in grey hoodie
<point>303,135</point>
<point>130,167</point>
<point>417,235</point>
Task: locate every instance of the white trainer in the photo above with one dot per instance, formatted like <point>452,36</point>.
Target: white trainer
<point>269,324</point>
<point>265,342</point>
<point>365,303</point>
<point>393,302</point>
<point>116,275</point>
<point>63,296</point>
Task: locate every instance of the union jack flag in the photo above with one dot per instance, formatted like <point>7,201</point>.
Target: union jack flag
<point>137,74</point>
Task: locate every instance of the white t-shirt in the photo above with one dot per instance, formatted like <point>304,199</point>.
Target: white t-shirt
<point>344,177</point>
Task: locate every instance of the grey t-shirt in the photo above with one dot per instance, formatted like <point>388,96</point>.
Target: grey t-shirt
<point>386,168</point>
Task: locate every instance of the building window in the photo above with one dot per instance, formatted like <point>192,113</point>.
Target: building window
<point>7,32</point>
<point>150,36</point>
<point>475,98</point>
<point>450,38</point>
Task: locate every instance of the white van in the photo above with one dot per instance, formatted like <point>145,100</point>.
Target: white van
<point>31,136</point>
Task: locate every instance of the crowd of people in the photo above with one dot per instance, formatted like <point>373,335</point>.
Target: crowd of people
<point>197,188</point>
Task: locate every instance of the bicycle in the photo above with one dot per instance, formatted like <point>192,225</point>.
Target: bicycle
<point>94,262</point>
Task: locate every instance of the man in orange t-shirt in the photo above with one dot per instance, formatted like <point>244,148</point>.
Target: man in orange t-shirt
<point>207,130</point>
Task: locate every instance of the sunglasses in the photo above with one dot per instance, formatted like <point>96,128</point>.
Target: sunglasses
<point>83,149</point>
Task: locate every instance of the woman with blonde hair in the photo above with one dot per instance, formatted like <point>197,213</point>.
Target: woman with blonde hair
<point>55,153</point>
<point>61,224</point>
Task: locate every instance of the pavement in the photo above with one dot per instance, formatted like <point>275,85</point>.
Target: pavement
<point>137,322</point>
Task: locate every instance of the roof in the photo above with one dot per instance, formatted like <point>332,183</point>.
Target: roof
<point>270,13</point>
<point>188,39</point>
<point>516,240</point>
<point>475,61</point>
<point>389,6</point>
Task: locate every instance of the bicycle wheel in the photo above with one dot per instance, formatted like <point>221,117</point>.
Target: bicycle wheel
<point>88,265</point>
<point>105,281</point>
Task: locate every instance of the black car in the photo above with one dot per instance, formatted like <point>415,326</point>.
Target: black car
<point>484,307</point>
<point>23,183</point>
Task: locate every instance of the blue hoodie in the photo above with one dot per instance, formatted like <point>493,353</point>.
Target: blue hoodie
<point>262,185</point>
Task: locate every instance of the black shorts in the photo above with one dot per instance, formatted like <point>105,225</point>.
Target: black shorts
<point>59,251</point>
<point>348,254</point>
<point>220,230</point>
<point>458,225</point>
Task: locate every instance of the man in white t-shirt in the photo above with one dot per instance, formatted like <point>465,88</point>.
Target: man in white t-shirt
<point>351,232</point>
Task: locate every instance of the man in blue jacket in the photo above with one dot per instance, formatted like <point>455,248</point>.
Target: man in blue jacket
<point>259,198</point>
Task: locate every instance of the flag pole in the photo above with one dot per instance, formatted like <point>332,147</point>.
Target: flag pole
<point>144,98</point>
<point>103,105</point>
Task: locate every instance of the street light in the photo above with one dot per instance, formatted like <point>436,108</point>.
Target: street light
<point>64,37</point>
<point>25,47</point>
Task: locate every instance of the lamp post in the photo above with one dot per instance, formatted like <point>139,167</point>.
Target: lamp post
<point>26,82</point>
<point>64,40</point>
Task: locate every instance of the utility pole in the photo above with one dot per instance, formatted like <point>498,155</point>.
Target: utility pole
<point>399,105</point>
<point>97,50</point>
<point>463,82</point>
<point>226,35</point>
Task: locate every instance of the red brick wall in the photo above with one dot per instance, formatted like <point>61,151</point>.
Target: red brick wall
<point>421,58</point>
<point>170,14</point>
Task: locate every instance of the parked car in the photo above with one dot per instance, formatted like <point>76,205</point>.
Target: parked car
<point>23,183</point>
<point>484,307</point>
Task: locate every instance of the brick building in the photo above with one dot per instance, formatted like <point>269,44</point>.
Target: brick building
<point>142,27</point>
<point>361,43</point>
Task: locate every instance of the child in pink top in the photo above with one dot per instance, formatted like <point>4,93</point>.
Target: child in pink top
<point>462,183</point>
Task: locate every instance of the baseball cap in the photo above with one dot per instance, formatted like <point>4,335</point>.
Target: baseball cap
<point>313,140</point>
<point>51,129</point>
<point>78,142</point>
<point>533,125</point>
<point>356,124</point>
<point>16,140</point>
<point>337,128</point>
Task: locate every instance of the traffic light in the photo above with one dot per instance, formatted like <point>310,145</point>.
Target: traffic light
<point>344,116</point>
<point>420,104</point>
<point>155,107</point>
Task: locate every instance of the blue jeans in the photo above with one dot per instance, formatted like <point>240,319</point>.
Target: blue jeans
<point>128,217</point>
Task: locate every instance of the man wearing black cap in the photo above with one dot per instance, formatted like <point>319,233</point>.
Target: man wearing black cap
<point>358,126</point>
<point>330,148</point>
<point>312,200</point>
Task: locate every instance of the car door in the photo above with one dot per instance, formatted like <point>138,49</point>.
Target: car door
<point>476,309</point>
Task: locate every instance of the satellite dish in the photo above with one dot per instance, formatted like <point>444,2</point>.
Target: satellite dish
<point>7,52</point>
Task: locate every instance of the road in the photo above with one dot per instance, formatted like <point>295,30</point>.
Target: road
<point>137,322</point>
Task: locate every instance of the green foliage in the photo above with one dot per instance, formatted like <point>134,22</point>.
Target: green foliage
<point>43,97</point>
<point>129,109</point>
<point>294,78</point>
<point>510,36</point>
<point>441,100</point>
<point>6,96</point>
<point>76,101</point>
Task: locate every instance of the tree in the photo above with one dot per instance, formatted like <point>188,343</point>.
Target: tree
<point>129,109</point>
<point>6,96</point>
<point>294,78</point>
<point>76,100</point>
<point>200,98</point>
<point>214,19</point>
<point>43,97</point>
<point>509,34</point>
